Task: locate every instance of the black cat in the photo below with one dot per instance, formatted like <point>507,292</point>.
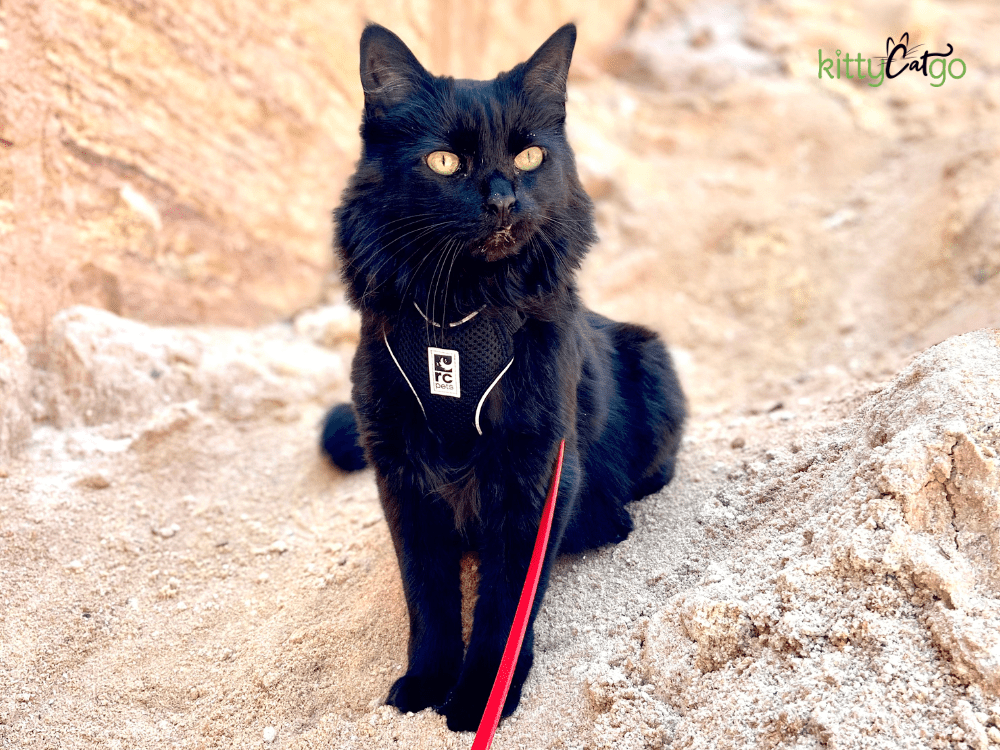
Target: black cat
<point>459,237</point>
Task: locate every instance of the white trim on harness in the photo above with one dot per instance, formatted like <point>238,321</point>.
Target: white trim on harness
<point>419,402</point>
<point>457,323</point>
<point>483,399</point>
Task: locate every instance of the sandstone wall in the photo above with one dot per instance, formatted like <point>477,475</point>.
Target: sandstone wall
<point>177,161</point>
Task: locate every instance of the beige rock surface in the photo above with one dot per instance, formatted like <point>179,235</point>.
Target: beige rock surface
<point>180,568</point>
<point>103,369</point>
<point>15,381</point>
<point>178,162</point>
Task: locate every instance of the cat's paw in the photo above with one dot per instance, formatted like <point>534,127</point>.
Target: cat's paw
<point>513,698</point>
<point>464,707</point>
<point>414,692</point>
<point>466,704</point>
<point>467,701</point>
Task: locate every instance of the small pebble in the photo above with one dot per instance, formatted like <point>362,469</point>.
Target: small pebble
<point>269,734</point>
<point>994,734</point>
<point>167,531</point>
<point>738,442</point>
<point>97,481</point>
<point>280,546</point>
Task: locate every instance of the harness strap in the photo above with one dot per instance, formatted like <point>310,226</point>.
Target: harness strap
<point>479,406</point>
<point>403,373</point>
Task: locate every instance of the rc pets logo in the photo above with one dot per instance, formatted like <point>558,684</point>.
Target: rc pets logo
<point>442,365</point>
<point>899,58</point>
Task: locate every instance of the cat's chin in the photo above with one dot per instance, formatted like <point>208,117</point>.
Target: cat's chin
<point>499,245</point>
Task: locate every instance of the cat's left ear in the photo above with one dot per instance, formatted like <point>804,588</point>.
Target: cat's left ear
<point>546,72</point>
<point>389,71</point>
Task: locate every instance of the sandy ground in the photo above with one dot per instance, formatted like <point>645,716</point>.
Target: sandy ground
<point>180,568</point>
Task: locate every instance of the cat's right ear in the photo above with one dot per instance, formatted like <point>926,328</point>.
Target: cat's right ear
<point>389,71</point>
<point>546,72</point>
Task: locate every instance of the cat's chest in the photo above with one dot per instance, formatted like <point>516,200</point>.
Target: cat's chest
<point>452,368</point>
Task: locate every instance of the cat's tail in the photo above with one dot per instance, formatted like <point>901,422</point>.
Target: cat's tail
<point>340,440</point>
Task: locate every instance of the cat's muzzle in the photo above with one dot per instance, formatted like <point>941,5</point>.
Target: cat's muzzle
<point>501,244</point>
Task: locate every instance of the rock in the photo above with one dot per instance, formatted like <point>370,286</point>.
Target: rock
<point>109,369</point>
<point>721,628</point>
<point>231,223</point>
<point>971,638</point>
<point>706,52</point>
<point>975,732</point>
<point>668,655</point>
<point>166,532</point>
<point>934,456</point>
<point>15,392</point>
<point>105,369</point>
<point>279,546</point>
<point>94,481</point>
<point>329,326</point>
<point>868,563</point>
<point>164,422</point>
<point>929,468</point>
<point>914,555</point>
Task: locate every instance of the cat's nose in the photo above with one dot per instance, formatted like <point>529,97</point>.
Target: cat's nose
<point>501,197</point>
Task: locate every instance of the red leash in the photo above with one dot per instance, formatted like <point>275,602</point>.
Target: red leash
<point>491,716</point>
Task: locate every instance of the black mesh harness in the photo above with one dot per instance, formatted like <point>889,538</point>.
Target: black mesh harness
<point>451,369</point>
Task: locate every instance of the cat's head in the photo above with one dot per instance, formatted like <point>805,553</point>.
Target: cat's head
<point>466,191</point>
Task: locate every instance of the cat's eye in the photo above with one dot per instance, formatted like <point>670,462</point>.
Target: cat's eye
<point>530,158</point>
<point>443,162</point>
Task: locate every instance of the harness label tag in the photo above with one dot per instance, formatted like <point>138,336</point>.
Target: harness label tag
<point>442,366</point>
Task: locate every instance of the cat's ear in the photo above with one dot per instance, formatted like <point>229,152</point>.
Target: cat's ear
<point>389,71</point>
<point>546,72</point>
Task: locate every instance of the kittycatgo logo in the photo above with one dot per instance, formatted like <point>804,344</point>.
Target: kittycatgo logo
<point>442,364</point>
<point>899,58</point>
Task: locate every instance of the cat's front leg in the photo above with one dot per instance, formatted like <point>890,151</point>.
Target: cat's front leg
<point>504,557</point>
<point>428,551</point>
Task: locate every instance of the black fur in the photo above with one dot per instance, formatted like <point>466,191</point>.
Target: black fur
<point>405,234</point>
<point>341,440</point>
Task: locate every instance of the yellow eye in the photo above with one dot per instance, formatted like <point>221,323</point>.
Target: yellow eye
<point>443,162</point>
<point>528,159</point>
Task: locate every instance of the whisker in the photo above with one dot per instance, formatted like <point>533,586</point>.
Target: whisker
<point>447,283</point>
<point>414,234</point>
<point>415,275</point>
<point>431,307</point>
<point>412,219</point>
